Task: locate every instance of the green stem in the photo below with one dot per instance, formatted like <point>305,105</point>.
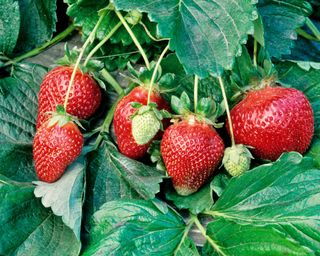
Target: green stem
<point>313,28</point>
<point>102,42</point>
<point>107,121</point>
<point>195,92</point>
<point>210,241</point>
<point>255,52</point>
<point>155,72</point>
<point>150,35</point>
<point>113,82</point>
<point>43,47</point>
<point>134,38</point>
<point>225,99</point>
<point>306,35</point>
<point>89,39</point>
<point>185,233</point>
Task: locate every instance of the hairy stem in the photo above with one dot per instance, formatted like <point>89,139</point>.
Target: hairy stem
<point>210,241</point>
<point>255,52</point>
<point>313,28</point>
<point>306,35</point>
<point>134,38</point>
<point>89,39</point>
<point>195,92</point>
<point>155,72</point>
<point>107,121</point>
<point>185,233</point>
<point>43,47</point>
<point>113,82</point>
<point>102,42</point>
<point>227,109</point>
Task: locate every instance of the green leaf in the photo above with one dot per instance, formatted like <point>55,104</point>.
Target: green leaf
<point>65,196</point>
<point>22,170</point>
<point>281,18</point>
<point>284,196</point>
<point>195,203</point>
<point>308,82</point>
<point>9,25</point>
<point>27,228</point>
<point>205,42</point>
<point>314,151</point>
<point>113,176</point>
<point>220,183</point>
<point>38,22</point>
<point>135,227</point>
<point>243,240</point>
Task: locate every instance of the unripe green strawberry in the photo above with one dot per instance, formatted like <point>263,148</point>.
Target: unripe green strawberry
<point>144,127</point>
<point>236,160</point>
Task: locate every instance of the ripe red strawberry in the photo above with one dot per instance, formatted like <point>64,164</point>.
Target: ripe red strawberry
<point>123,123</point>
<point>191,150</point>
<point>54,148</point>
<point>273,120</point>
<point>84,98</point>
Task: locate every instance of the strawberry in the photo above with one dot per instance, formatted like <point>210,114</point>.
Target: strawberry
<point>273,120</point>
<point>84,99</point>
<point>123,123</point>
<point>55,146</point>
<point>191,151</point>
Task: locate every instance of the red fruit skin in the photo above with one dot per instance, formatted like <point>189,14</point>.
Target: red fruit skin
<point>54,148</point>
<point>273,120</point>
<point>84,98</point>
<point>191,151</point>
<point>123,123</point>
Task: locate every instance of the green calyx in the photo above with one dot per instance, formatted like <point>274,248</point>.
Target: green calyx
<point>237,160</point>
<point>61,117</point>
<point>207,109</point>
<point>146,122</point>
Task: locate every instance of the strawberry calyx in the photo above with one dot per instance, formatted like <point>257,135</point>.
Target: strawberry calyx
<point>61,117</point>
<point>207,110</point>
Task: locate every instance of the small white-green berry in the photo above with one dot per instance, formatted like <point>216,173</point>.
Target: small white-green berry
<point>144,127</point>
<point>237,160</point>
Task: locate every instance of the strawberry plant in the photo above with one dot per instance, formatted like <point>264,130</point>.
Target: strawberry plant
<point>176,128</point>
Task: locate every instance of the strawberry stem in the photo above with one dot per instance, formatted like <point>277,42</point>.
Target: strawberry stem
<point>313,28</point>
<point>155,72</point>
<point>107,122</point>
<point>306,35</point>
<point>255,52</point>
<point>150,35</point>
<point>43,47</point>
<point>225,99</point>
<point>87,42</point>
<point>102,42</point>
<point>195,92</point>
<point>213,243</point>
<point>185,233</point>
<point>113,82</point>
<point>134,39</point>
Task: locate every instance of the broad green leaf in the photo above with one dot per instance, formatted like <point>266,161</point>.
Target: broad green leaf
<point>38,22</point>
<point>65,196</point>
<point>113,176</point>
<point>16,162</point>
<point>9,25</point>
<point>206,35</point>
<point>135,227</point>
<point>187,247</point>
<point>314,151</point>
<point>19,104</point>
<point>27,228</point>
<point>308,82</point>
<point>195,203</point>
<point>284,195</point>
<point>220,183</point>
<point>242,240</point>
<point>281,18</point>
